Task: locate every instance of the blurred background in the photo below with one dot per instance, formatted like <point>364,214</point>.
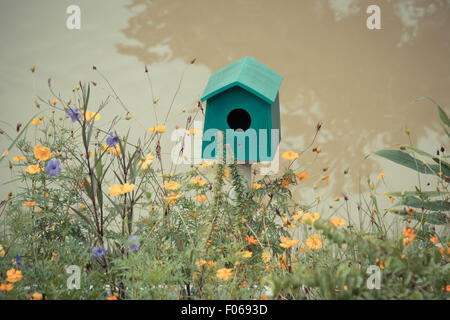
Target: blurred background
<point>360,84</point>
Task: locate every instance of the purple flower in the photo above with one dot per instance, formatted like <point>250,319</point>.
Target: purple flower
<point>18,261</point>
<point>53,167</point>
<point>98,252</point>
<point>112,140</point>
<point>74,114</point>
<point>133,243</point>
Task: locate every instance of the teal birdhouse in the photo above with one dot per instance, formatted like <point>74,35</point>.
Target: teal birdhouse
<point>243,102</point>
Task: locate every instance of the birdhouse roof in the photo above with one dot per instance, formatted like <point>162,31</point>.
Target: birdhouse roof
<point>248,74</point>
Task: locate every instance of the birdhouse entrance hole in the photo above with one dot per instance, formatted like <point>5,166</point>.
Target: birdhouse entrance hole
<point>239,120</point>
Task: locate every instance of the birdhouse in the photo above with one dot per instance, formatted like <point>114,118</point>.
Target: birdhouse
<point>242,101</point>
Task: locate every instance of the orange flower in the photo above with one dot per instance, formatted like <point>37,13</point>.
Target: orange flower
<point>251,240</point>
<point>33,169</point>
<point>212,263</point>
<point>310,218</point>
<point>42,153</point>
<point>338,222</point>
<point>199,181</point>
<point>171,185</point>
<point>205,164</point>
<point>409,232</point>
<point>287,242</point>
<point>200,262</point>
<point>285,181</point>
<point>326,178</point>
<point>36,121</point>
<point>6,287</point>
<point>224,273</point>
<point>314,242</point>
<point>290,155</point>
<point>317,149</point>
<point>53,102</point>
<point>115,190</point>
<point>201,198</point>
<point>434,240</point>
<point>29,204</point>
<point>111,298</point>
<point>173,197</point>
<point>37,296</point>
<point>18,158</point>
<point>159,129</point>
<point>302,176</point>
<point>256,186</point>
<point>226,174</point>
<point>381,175</point>
<point>13,275</point>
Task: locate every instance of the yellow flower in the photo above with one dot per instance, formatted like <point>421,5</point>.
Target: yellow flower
<point>193,131</point>
<point>310,218</point>
<point>33,169</point>
<point>114,150</point>
<point>246,254</point>
<point>302,176</point>
<point>226,174</point>
<point>13,275</point>
<point>89,116</point>
<point>172,185</point>
<point>302,249</point>
<point>36,121</point>
<point>42,153</point>
<point>147,161</point>
<point>224,273</point>
<point>256,186</point>
<point>37,296</point>
<point>287,242</point>
<point>201,198</point>
<point>297,215</point>
<point>116,189</point>
<point>173,197</point>
<point>338,222</point>
<point>199,181</point>
<point>314,242</point>
<point>289,155</point>
<point>159,129</point>
<point>265,256</point>
<point>205,164</point>
<point>6,287</point>
<point>18,158</point>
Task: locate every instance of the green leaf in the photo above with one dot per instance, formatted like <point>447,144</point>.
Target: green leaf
<point>408,161</point>
<point>415,150</point>
<point>438,205</point>
<point>444,118</point>
<point>432,217</point>
<point>427,194</point>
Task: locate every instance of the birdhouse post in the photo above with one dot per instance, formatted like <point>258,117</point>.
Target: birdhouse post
<point>243,102</point>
